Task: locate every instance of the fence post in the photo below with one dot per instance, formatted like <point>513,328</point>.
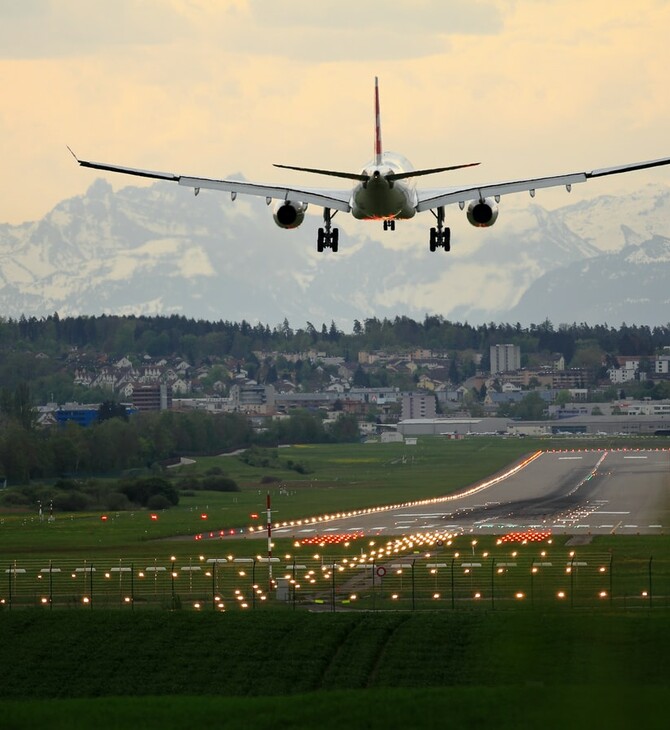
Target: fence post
<point>611,579</point>
<point>253,582</point>
<point>532,582</point>
<point>132,586</point>
<point>374,592</point>
<point>214,585</point>
<point>174,598</point>
<point>453,601</point>
<point>493,592</point>
<point>413,587</point>
<point>650,586</point>
<point>332,589</point>
<point>51,585</point>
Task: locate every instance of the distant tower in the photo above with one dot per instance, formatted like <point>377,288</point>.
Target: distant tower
<point>505,358</point>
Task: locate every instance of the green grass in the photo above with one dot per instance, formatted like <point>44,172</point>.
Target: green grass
<point>365,670</point>
<point>505,708</point>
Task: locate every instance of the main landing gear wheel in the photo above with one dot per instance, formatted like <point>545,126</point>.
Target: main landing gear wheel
<point>389,225</point>
<point>440,237</point>
<point>327,237</point>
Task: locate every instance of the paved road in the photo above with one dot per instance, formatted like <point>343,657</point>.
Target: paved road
<point>597,492</point>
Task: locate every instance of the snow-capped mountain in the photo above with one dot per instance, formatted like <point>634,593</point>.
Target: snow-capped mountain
<point>631,285</point>
<point>159,250</point>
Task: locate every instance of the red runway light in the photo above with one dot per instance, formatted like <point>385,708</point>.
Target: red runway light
<point>154,517</point>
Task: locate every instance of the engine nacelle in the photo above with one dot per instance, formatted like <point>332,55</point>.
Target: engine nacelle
<point>482,213</point>
<point>289,214</point>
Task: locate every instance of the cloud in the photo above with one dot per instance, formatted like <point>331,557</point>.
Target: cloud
<point>72,28</point>
<point>374,18</point>
<point>335,31</point>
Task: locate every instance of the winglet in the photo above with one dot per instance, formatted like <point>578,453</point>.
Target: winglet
<point>72,153</point>
<point>378,126</point>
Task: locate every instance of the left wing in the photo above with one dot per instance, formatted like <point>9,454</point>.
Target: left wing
<point>435,198</point>
<point>334,199</point>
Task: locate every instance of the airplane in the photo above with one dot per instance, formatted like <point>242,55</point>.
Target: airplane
<point>384,190</point>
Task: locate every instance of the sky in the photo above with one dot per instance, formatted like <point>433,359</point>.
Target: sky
<point>218,87</point>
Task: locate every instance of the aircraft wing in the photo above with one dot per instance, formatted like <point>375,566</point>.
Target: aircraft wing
<point>334,199</point>
<point>435,198</point>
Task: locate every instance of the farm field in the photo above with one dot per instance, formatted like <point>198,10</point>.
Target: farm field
<point>302,670</point>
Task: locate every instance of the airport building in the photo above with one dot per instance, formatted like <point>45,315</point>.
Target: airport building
<point>588,425</point>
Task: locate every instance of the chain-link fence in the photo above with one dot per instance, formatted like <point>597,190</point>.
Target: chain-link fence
<point>412,582</point>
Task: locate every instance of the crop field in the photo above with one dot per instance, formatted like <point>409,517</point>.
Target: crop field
<point>306,670</point>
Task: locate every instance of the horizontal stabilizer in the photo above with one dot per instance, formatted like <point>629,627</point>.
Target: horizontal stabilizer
<point>391,176</point>
<point>418,173</point>
<point>332,173</point>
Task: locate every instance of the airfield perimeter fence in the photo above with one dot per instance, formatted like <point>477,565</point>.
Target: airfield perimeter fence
<point>411,582</point>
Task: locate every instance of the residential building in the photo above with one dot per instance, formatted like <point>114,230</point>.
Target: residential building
<point>418,405</point>
<point>152,397</point>
<point>505,358</point>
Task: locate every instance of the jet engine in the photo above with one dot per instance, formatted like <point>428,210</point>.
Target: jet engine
<point>482,213</point>
<point>288,214</point>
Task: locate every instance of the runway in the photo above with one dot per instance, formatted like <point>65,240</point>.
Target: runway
<point>567,492</point>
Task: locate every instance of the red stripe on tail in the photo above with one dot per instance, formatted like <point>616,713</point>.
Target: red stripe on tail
<point>378,127</point>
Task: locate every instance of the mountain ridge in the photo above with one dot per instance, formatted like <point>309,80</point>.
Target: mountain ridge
<point>154,250</point>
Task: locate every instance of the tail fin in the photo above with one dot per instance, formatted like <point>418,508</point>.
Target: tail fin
<point>378,127</point>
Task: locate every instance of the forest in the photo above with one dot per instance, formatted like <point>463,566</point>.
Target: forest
<point>197,340</point>
<point>117,444</point>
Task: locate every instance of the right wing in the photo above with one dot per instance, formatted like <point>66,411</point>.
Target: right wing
<point>334,199</point>
<point>435,198</point>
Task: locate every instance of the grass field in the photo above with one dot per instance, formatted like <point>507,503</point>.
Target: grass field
<point>310,670</point>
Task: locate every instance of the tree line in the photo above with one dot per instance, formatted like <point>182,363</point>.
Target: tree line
<point>116,444</point>
<point>197,340</point>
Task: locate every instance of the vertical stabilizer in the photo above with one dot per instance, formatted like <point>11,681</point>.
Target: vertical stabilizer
<point>378,127</point>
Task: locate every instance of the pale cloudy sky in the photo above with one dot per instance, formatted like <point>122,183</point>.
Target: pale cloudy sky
<point>214,87</point>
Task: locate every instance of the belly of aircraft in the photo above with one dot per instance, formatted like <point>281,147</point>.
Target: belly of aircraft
<point>379,202</point>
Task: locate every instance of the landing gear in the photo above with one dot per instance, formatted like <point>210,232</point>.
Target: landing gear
<point>389,225</point>
<point>440,237</point>
<point>327,237</point>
